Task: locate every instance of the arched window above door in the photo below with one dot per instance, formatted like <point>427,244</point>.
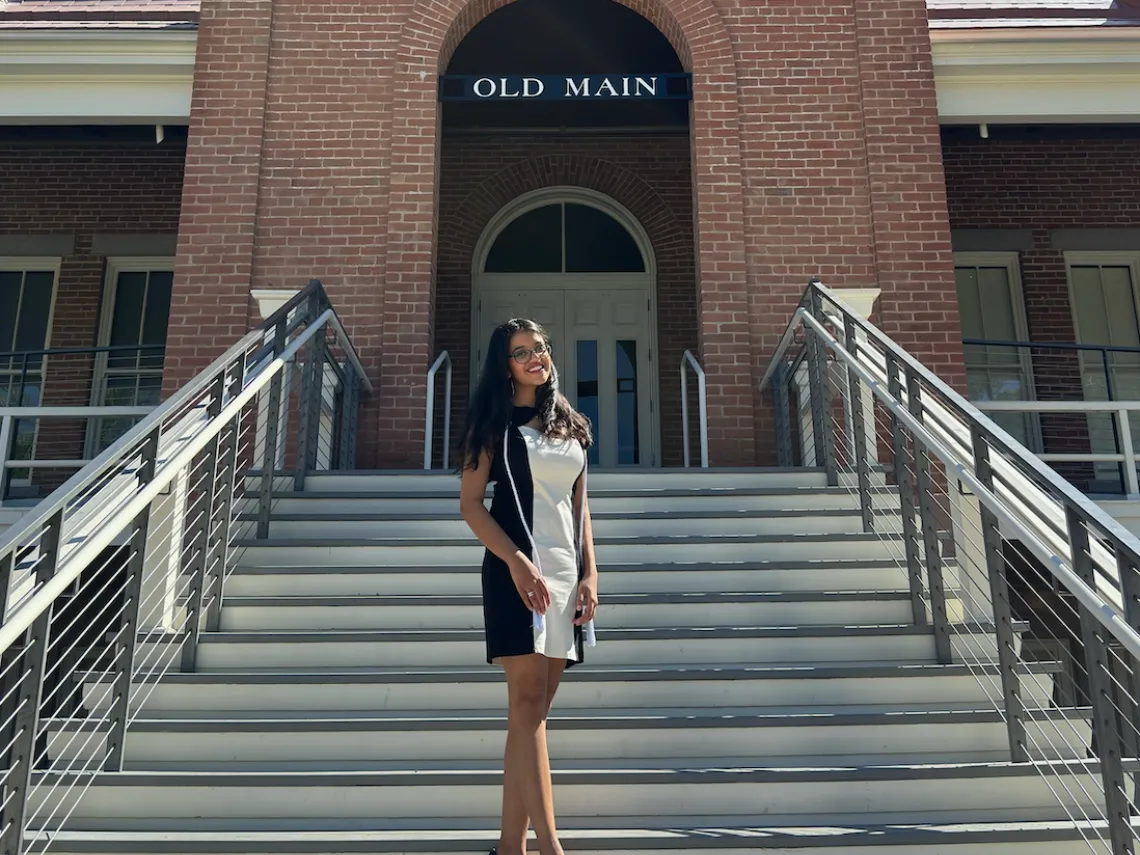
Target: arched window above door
<point>564,237</point>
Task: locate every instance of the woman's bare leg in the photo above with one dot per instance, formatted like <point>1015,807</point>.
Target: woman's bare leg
<point>516,816</point>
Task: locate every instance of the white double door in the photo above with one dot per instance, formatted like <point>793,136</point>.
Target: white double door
<point>601,340</point>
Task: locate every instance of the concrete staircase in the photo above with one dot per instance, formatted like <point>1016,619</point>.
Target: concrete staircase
<point>757,686</point>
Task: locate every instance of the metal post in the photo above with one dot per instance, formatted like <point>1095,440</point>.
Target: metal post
<point>343,417</point>
<point>1127,700</point>
<point>352,422</point>
<point>819,372</point>
<point>21,756</point>
<point>127,642</point>
<point>198,536</point>
<point>783,415</point>
<point>929,513</point>
<point>1106,728</point>
<point>312,389</point>
<point>272,423</point>
<point>1003,612</point>
<point>860,429</point>
<point>906,495</point>
<point>1128,452</point>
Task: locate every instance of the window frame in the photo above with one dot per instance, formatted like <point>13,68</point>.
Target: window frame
<point>1011,262</point>
<point>100,371</point>
<point>1092,258</point>
<point>24,264</point>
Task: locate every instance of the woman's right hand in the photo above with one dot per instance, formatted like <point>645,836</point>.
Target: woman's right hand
<point>530,584</point>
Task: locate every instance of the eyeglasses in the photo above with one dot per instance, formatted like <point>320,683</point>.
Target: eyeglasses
<point>522,355</point>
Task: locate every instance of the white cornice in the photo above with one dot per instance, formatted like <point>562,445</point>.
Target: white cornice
<point>997,76</point>
<point>105,76</point>
<point>985,76</point>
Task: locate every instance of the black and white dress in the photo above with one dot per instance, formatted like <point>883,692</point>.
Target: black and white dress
<point>533,502</point>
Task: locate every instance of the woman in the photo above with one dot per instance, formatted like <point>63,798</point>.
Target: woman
<point>539,574</point>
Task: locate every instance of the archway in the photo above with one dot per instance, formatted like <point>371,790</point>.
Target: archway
<point>580,264</point>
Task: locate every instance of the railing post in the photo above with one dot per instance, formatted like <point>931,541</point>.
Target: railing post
<point>783,415</point>
<point>819,372</point>
<point>348,405</point>
<point>905,482</point>
<point>228,477</point>
<point>6,433</point>
<point>127,642</point>
<point>1003,611</point>
<point>312,398</point>
<point>201,520</point>
<point>863,466</point>
<point>21,756</point>
<point>1131,482</point>
<point>928,511</point>
<point>272,423</point>
<point>1106,727</point>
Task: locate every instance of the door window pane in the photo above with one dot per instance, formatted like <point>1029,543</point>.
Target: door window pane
<point>587,391</point>
<point>531,243</point>
<point>597,243</point>
<point>629,451</point>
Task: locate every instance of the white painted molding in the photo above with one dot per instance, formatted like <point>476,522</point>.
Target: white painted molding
<point>1019,77</point>
<point>861,300</point>
<point>107,77</point>
<point>269,300</point>
<point>991,76</point>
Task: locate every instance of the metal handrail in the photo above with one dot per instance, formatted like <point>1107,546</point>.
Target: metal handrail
<point>1052,345</point>
<point>162,511</point>
<point>687,359</point>
<point>1118,410</point>
<point>443,360</point>
<point>970,501</point>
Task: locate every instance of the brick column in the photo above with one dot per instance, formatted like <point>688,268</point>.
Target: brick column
<point>910,220</point>
<point>209,307</point>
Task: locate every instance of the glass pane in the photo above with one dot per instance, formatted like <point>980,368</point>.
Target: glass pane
<point>629,451</point>
<point>588,390</point>
<point>126,322</point>
<point>10,281</point>
<point>35,308</point>
<point>156,318</point>
<point>149,391</point>
<point>120,391</point>
<point>597,243</point>
<point>532,243</point>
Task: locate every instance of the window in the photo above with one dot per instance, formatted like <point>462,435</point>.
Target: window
<point>136,313</point>
<point>1103,289</point>
<point>27,290</point>
<point>565,237</point>
<point>991,309</point>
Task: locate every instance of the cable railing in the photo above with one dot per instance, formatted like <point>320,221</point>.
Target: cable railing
<point>108,584</point>
<point>1032,390</point>
<point>1013,571</point>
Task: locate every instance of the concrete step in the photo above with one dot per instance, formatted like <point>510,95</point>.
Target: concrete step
<point>911,794</point>
<point>813,736</point>
<point>628,611</point>
<point>667,577</point>
<point>634,836</point>
<point>647,646</point>
<point>586,686</point>
<point>417,481</point>
<point>322,524</point>
<point>429,552</point>
<point>602,501</point>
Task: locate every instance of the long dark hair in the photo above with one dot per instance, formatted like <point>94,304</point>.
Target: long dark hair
<point>493,401</point>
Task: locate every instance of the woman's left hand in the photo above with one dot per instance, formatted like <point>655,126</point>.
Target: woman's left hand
<point>587,599</point>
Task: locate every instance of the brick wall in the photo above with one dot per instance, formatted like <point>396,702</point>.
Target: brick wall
<point>650,176</point>
<point>83,190</point>
<point>1042,185</point>
<point>314,151</point>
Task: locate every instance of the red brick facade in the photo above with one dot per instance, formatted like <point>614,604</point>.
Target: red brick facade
<point>649,176</point>
<point>84,190</point>
<point>314,151</point>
